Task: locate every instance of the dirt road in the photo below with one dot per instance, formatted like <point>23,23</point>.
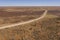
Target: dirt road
<point>21,23</point>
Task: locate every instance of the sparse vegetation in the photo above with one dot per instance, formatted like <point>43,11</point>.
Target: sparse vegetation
<point>45,29</point>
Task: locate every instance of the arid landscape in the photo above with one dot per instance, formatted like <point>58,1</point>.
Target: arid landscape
<point>47,28</point>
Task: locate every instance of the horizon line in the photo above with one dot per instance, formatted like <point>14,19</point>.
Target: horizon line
<point>26,6</point>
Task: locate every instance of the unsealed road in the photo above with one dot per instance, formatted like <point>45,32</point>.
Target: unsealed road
<point>21,23</point>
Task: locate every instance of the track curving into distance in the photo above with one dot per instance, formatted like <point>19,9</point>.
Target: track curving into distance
<point>21,23</point>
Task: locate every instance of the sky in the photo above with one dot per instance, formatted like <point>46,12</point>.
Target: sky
<point>29,2</point>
